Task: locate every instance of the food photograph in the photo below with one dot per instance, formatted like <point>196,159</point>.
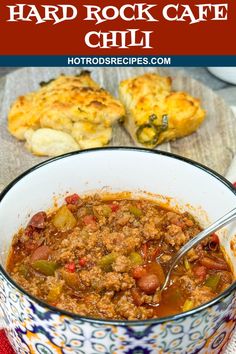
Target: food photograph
<point>117,210</point>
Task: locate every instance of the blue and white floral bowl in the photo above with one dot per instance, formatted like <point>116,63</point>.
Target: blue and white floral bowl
<point>34,327</point>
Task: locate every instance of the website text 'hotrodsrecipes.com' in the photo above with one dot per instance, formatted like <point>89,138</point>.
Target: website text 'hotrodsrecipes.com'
<point>119,60</point>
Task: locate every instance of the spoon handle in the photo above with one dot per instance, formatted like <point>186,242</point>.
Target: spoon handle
<point>227,218</point>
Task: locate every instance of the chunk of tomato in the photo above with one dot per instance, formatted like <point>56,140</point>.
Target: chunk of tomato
<point>70,267</point>
<point>89,219</point>
<point>200,272</point>
<point>114,207</point>
<point>72,199</point>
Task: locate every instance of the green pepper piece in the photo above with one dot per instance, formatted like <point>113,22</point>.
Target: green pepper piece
<point>106,210</point>
<point>152,118</point>
<point>105,263</point>
<point>45,267</point>
<point>24,270</point>
<point>188,305</point>
<point>135,211</point>
<point>164,123</point>
<point>135,258</point>
<point>64,219</point>
<point>212,281</point>
<point>45,83</point>
<point>149,133</point>
<point>146,135</point>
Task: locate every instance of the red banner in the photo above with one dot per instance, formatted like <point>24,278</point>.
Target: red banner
<point>98,27</point>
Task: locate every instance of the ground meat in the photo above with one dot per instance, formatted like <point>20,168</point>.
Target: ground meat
<point>113,241</point>
<point>157,219</point>
<point>175,236</point>
<point>192,255</point>
<point>150,231</point>
<point>225,277</point>
<point>166,258</point>
<point>126,309</point>
<point>92,277</point>
<point>124,219</point>
<point>156,297</point>
<point>186,283</point>
<point>121,264</point>
<point>74,304</point>
<point>105,307</point>
<point>115,281</point>
<point>175,219</point>
<point>108,259</point>
<point>200,295</point>
<point>121,242</point>
<point>196,253</point>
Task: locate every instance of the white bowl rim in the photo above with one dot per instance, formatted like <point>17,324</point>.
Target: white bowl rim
<point>154,321</point>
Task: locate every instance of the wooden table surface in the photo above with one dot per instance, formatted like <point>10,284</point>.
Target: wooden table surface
<point>200,74</point>
<point>227,91</point>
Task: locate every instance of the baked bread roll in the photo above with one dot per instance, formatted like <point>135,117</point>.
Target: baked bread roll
<point>155,113</point>
<point>74,105</point>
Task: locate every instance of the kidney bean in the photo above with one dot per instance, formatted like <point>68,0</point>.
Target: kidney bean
<point>156,268</point>
<point>38,220</point>
<point>42,252</point>
<point>138,272</point>
<point>148,283</point>
<point>29,231</point>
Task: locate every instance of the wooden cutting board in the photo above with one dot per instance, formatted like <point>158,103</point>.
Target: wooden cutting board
<point>214,144</point>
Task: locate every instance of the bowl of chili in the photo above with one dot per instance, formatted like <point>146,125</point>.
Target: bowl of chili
<point>86,241</point>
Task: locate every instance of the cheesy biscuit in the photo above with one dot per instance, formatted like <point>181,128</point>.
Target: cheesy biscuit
<point>154,113</point>
<point>75,105</point>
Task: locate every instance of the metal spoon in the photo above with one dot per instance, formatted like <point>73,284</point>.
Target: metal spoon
<point>227,218</point>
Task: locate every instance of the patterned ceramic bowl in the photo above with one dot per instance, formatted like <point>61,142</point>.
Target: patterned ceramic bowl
<point>34,327</point>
